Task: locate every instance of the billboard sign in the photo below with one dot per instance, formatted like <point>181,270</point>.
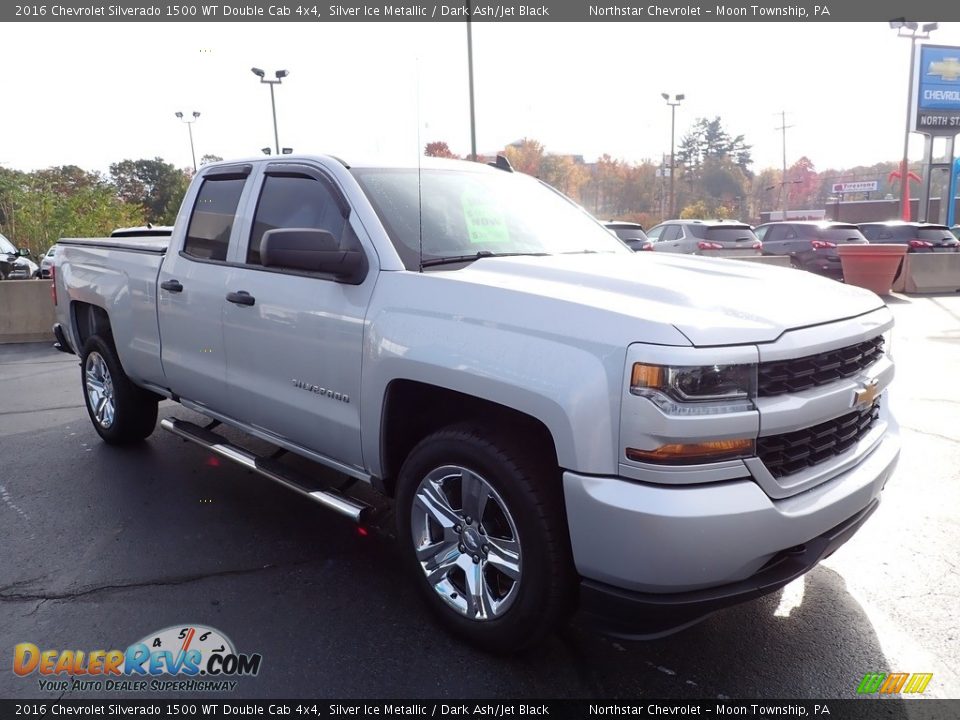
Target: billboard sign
<point>863,186</point>
<point>935,108</point>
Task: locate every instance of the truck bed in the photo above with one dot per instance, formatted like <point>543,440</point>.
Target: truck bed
<point>145,244</point>
<point>120,275</point>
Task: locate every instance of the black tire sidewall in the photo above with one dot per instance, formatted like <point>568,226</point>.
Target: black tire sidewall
<point>542,574</point>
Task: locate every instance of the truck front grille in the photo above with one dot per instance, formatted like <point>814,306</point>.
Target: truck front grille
<point>786,376</point>
<point>791,452</point>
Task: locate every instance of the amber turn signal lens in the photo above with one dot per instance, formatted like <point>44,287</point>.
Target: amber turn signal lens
<point>691,453</point>
<point>646,376</point>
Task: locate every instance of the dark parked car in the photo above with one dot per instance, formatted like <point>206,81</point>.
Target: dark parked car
<point>705,237</point>
<point>15,264</point>
<point>811,245</point>
<point>918,236</point>
<point>631,233</point>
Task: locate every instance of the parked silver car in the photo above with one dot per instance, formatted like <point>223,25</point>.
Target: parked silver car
<point>705,237</point>
<point>46,262</point>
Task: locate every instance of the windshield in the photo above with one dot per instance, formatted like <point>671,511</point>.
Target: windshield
<point>465,213</point>
<point>6,246</point>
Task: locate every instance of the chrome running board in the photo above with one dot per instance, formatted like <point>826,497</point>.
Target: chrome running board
<point>267,467</point>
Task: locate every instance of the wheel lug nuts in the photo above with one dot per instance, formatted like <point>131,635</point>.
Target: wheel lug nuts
<point>469,520</point>
<point>461,548</point>
<point>457,528</point>
<point>476,559</point>
<point>486,549</point>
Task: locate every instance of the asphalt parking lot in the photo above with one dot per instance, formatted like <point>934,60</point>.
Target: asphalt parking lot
<point>101,546</point>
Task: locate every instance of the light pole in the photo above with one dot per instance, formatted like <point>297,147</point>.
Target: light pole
<point>915,32</point>
<point>190,131</point>
<point>673,124</point>
<point>279,75</point>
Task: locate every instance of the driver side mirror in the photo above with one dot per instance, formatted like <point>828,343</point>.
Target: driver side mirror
<point>24,252</point>
<point>313,250</point>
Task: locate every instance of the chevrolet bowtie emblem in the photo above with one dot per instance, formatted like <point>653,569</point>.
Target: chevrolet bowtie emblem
<point>948,69</point>
<point>867,394</point>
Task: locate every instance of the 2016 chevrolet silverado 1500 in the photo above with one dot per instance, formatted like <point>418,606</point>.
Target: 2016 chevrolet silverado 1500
<point>560,422</point>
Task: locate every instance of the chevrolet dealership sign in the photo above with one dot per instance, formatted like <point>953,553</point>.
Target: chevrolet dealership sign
<point>935,109</point>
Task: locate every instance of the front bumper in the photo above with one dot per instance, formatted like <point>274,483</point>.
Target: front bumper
<point>650,615</point>
<point>691,549</point>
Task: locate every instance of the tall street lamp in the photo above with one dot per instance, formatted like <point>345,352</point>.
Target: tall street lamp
<point>190,130</point>
<point>673,124</point>
<point>279,75</point>
<point>915,32</point>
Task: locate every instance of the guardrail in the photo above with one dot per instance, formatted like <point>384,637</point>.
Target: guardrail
<point>26,311</point>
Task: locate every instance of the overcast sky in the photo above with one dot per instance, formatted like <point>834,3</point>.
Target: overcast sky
<point>90,94</point>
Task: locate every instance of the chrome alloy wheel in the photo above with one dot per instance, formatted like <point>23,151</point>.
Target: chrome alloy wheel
<point>99,384</point>
<point>466,542</point>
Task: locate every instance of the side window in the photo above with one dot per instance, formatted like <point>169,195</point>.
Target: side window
<point>212,220</point>
<point>791,233</point>
<point>761,231</point>
<point>777,232</point>
<point>654,233</point>
<point>297,202</point>
<point>672,233</point>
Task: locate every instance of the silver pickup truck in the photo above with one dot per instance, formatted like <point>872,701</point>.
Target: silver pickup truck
<point>560,423</point>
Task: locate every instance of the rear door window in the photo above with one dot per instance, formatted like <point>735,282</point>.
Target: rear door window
<point>211,222</point>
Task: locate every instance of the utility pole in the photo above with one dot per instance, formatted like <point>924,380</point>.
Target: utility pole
<point>783,179</point>
<point>473,116</point>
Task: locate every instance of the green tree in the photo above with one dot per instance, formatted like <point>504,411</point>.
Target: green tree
<point>707,140</point>
<point>39,208</point>
<point>157,186</point>
<point>209,158</point>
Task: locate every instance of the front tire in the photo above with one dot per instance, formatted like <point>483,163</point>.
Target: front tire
<point>483,530</point>
<point>121,412</point>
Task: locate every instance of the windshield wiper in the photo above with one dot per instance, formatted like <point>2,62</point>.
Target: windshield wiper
<point>470,258</point>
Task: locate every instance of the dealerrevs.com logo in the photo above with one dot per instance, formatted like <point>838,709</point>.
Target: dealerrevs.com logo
<point>177,658</point>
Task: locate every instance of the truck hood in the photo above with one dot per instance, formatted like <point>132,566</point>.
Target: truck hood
<point>709,300</point>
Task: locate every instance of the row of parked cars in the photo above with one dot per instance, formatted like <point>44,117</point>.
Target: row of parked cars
<point>810,245</point>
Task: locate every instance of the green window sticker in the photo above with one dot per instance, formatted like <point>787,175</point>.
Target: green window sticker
<point>485,223</point>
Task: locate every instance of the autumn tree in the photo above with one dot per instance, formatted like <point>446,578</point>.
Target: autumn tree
<point>525,156</point>
<point>561,172</point>
<point>209,158</point>
<point>439,149</point>
<point>803,184</point>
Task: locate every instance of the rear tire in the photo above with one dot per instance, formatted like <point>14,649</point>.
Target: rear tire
<point>482,529</point>
<point>121,412</point>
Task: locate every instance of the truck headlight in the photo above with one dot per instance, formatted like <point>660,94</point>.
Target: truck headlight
<point>696,390</point>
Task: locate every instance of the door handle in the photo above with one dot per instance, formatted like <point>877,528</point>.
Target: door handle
<point>241,297</point>
<point>171,286</point>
